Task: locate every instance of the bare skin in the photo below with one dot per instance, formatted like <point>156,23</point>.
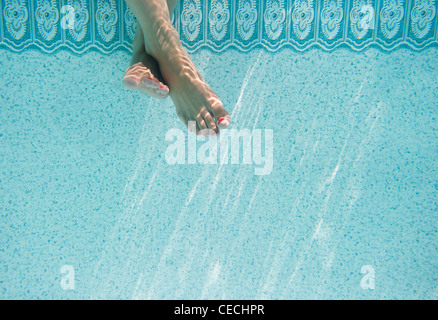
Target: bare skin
<point>144,73</point>
<point>175,72</point>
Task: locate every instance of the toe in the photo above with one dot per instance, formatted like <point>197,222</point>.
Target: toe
<point>130,82</point>
<point>163,89</point>
<point>154,88</point>
<point>138,76</point>
<point>224,121</point>
<point>208,118</point>
<point>223,118</point>
<point>150,82</point>
<point>201,123</point>
<point>191,125</point>
<point>198,129</point>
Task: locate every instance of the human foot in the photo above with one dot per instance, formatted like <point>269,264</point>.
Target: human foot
<point>140,77</point>
<point>195,101</point>
<point>193,98</point>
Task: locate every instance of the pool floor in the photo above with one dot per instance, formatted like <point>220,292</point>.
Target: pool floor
<point>84,180</point>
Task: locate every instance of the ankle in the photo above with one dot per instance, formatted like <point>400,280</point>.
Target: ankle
<point>164,40</point>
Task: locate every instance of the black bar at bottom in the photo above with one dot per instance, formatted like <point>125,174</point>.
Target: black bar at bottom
<point>209,309</point>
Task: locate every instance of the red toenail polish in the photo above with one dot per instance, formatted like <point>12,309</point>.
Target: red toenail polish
<point>220,120</point>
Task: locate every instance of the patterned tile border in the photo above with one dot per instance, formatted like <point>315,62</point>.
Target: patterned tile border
<point>107,25</point>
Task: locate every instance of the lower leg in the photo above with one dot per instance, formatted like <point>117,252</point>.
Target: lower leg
<point>144,65</point>
<point>153,17</point>
<point>139,52</point>
<point>144,74</point>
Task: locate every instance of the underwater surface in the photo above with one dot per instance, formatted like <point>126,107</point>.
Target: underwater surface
<point>332,194</point>
<point>85,182</point>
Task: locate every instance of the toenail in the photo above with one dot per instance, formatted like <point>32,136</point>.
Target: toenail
<point>224,122</point>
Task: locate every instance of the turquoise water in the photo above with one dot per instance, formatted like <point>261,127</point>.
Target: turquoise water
<point>84,181</point>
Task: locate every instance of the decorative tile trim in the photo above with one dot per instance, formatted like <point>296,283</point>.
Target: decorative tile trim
<point>107,25</point>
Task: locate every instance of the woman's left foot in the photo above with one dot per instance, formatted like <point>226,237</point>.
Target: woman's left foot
<point>139,77</point>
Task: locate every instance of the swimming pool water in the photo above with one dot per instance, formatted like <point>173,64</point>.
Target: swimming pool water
<point>349,210</point>
<point>84,181</point>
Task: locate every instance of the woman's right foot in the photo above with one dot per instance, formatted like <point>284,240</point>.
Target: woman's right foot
<point>195,101</point>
